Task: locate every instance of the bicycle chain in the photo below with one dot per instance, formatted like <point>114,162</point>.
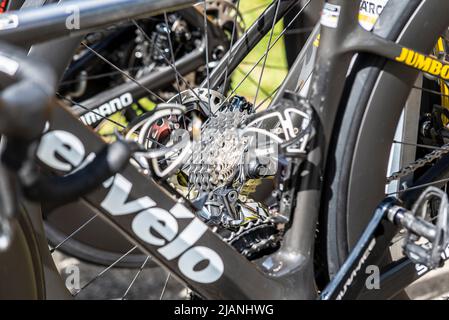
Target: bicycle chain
<point>412,167</point>
<point>260,244</point>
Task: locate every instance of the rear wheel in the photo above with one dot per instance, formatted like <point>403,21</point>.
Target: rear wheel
<point>300,29</point>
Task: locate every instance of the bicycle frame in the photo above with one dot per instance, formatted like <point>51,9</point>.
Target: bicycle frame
<point>286,274</point>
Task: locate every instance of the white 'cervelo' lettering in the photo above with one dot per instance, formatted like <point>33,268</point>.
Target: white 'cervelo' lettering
<point>172,245</point>
<point>156,226</point>
<point>107,109</point>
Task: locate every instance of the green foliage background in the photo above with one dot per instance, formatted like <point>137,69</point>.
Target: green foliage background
<point>276,65</point>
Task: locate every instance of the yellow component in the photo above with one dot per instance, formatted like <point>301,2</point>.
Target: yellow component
<point>424,63</point>
<point>106,128</point>
<point>147,104</point>
<point>440,49</point>
<point>183,179</point>
<point>136,109</point>
<point>316,43</point>
<point>368,19</point>
<point>249,219</point>
<point>250,186</point>
<point>362,18</point>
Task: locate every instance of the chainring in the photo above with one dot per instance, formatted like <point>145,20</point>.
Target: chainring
<point>256,239</point>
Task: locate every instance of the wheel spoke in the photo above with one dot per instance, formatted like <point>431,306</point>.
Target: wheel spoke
<point>105,270</point>
<point>70,236</point>
<point>430,91</point>
<point>268,66</point>
<point>173,59</point>
<point>165,286</point>
<point>234,27</point>
<point>419,187</point>
<point>297,31</point>
<point>121,71</point>
<point>135,278</point>
<point>267,51</point>
<point>419,145</point>
<point>268,97</point>
<point>99,76</point>
<point>171,64</point>
<point>253,81</point>
<point>263,56</point>
<point>206,35</point>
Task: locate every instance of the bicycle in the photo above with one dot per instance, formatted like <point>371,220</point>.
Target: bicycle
<point>287,271</point>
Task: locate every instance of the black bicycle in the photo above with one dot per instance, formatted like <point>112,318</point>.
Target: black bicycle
<point>296,199</point>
